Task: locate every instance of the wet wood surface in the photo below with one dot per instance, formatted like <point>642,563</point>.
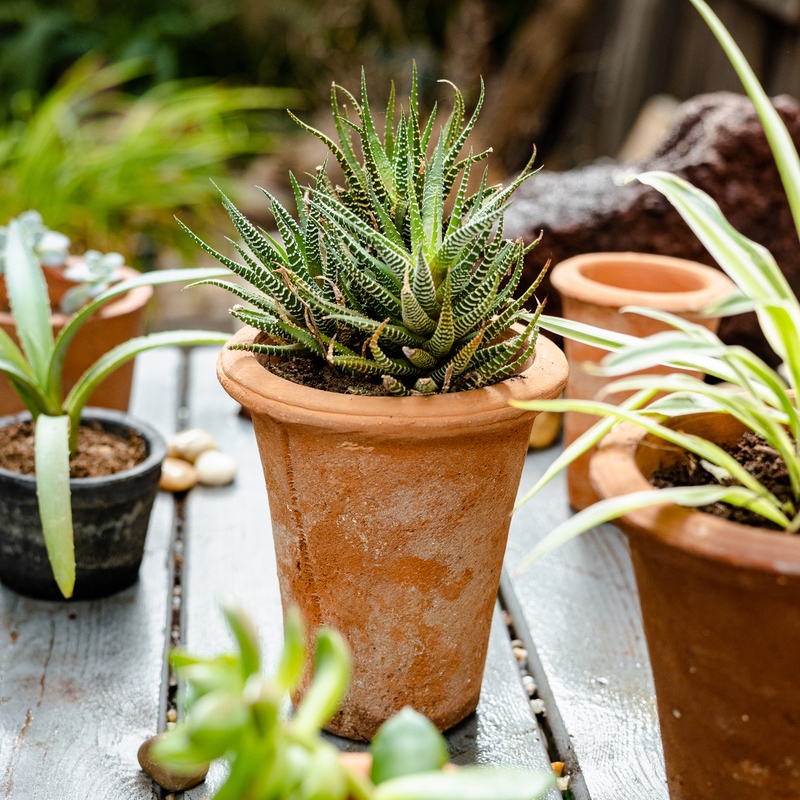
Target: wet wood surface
<point>577,610</point>
<point>83,684</point>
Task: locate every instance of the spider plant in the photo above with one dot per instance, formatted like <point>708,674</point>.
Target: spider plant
<point>765,402</point>
<point>233,712</point>
<point>35,372</point>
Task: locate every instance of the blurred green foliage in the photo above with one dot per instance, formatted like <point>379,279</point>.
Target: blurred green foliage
<point>110,168</point>
<point>297,43</point>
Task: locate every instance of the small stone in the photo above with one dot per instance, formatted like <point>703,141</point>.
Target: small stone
<point>163,777</point>
<point>537,706</point>
<point>562,783</point>
<point>546,428</point>
<point>529,685</point>
<point>172,715</point>
<point>188,445</point>
<point>558,767</point>
<point>177,475</point>
<point>520,653</point>
<point>516,643</point>
<point>215,468</point>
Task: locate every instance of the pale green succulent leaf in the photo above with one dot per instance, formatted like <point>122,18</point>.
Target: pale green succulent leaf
<point>51,453</point>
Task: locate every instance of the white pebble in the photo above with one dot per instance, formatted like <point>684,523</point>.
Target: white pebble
<point>520,653</point>
<point>215,468</point>
<point>529,684</point>
<point>562,783</point>
<point>188,445</point>
<point>537,706</point>
<point>177,475</point>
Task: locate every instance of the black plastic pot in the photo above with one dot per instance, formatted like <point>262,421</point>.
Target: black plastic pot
<point>109,516</point>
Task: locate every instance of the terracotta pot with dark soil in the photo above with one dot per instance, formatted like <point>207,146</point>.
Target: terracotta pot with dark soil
<point>117,322</point>
<point>390,517</point>
<point>721,607</point>
<point>593,289</point>
<point>110,511</point>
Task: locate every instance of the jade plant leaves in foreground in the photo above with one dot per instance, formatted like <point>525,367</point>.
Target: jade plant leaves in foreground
<point>232,711</point>
<point>376,278</point>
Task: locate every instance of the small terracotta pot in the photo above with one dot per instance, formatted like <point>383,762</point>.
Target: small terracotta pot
<point>390,518</point>
<point>115,323</point>
<point>721,609</point>
<point>593,289</point>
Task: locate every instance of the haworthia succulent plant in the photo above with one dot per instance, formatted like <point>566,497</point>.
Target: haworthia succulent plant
<point>375,277</point>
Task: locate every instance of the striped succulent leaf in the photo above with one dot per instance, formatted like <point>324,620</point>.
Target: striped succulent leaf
<point>375,278</point>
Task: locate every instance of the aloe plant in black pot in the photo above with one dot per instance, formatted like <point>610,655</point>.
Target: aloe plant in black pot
<point>102,542</point>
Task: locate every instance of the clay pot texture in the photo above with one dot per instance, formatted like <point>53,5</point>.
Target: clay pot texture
<point>390,518</point>
<point>721,608</point>
<point>115,323</point>
<point>593,289</point>
<point>109,516</point>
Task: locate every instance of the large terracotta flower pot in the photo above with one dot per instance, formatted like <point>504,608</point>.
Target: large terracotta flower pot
<point>593,289</point>
<point>115,323</point>
<point>390,518</point>
<point>721,609</point>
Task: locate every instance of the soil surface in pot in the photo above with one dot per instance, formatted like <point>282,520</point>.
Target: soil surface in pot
<point>318,375</point>
<point>756,455</point>
<point>99,452</point>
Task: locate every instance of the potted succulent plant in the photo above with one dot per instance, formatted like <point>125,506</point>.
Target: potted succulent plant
<point>378,367</point>
<point>72,281</point>
<point>50,521</point>
<point>719,586</point>
<point>234,712</point>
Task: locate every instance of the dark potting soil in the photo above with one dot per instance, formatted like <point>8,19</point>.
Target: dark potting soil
<point>99,452</point>
<point>319,375</point>
<point>756,455</point>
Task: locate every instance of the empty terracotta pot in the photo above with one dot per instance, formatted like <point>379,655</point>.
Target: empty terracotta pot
<point>721,608</point>
<point>390,518</point>
<point>115,323</point>
<point>593,289</point>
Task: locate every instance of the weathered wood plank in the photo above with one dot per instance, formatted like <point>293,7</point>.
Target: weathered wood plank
<point>580,610</point>
<point>80,682</point>
<point>229,552</point>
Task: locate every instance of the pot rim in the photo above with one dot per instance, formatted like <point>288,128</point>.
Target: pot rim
<point>125,304</point>
<point>614,472</point>
<point>570,280</point>
<point>155,442</point>
<point>256,388</point>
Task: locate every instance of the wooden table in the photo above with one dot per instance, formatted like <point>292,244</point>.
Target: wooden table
<point>83,684</point>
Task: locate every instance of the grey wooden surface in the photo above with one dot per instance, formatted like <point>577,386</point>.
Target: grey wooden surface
<point>83,684</point>
<point>578,609</point>
<point>80,683</point>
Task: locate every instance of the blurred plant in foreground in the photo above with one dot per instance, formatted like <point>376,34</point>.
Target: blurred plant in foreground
<point>234,712</point>
<point>103,165</point>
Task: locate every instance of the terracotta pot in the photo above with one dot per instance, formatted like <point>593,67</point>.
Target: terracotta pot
<point>390,518</point>
<point>593,288</point>
<point>721,609</point>
<point>115,323</point>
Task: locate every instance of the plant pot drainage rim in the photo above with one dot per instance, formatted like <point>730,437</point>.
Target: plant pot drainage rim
<point>614,472</point>
<point>249,382</point>
<point>156,445</point>
<point>570,278</point>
